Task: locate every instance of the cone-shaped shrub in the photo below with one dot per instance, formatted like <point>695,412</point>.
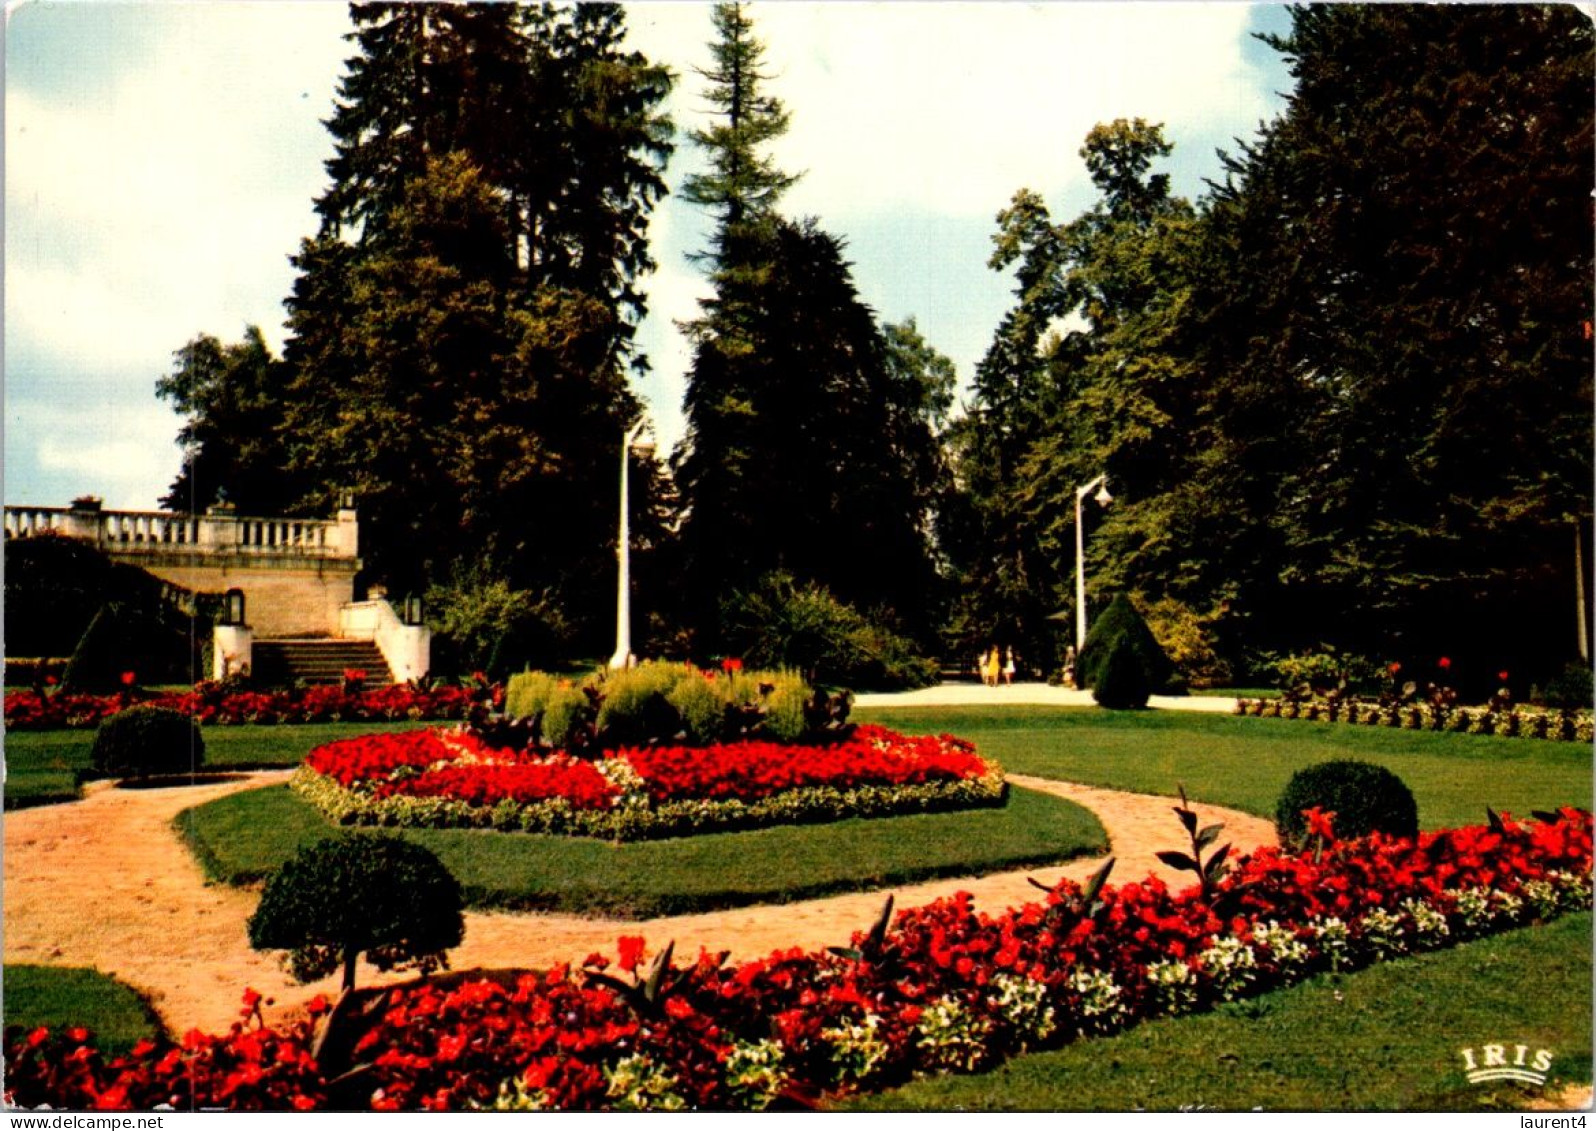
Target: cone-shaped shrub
<point>1122,682</point>
<point>381,896</point>
<point>147,740</point>
<point>1365,798</point>
<point>1121,619</point>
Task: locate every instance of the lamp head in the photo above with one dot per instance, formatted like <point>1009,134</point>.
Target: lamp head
<point>1103,497</point>
<point>643,447</point>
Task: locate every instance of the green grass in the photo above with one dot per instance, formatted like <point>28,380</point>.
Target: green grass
<point>43,767</point>
<point>1244,763</point>
<point>61,996</point>
<point>239,839</point>
<point>1388,1038</point>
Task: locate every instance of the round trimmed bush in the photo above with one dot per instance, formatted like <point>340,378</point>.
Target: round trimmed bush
<point>383,896</point>
<point>145,741</point>
<point>1365,798</point>
<point>1123,682</point>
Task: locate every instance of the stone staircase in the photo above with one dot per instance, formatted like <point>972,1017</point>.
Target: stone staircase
<point>321,660</point>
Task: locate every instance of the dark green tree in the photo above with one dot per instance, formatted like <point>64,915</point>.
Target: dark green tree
<point>809,446</point>
<point>1400,344</point>
<point>1052,411</point>
<point>468,427</point>
<point>461,322</point>
<point>799,455</point>
<point>232,397</point>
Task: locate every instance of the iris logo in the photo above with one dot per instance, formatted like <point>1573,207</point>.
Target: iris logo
<point>1506,1062</point>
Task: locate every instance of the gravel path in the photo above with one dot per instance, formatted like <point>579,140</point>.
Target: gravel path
<point>1029,695</point>
<point>104,882</point>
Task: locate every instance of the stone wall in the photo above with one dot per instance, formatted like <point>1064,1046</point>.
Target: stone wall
<point>282,597</point>
<point>295,573</point>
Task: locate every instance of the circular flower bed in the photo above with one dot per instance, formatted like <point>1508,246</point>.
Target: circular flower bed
<point>451,778</point>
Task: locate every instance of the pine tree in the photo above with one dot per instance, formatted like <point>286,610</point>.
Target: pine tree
<point>807,447</point>
<point>744,183</point>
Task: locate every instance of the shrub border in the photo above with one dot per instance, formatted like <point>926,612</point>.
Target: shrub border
<point>1560,726</point>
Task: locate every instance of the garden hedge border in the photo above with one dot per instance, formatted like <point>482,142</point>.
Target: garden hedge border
<point>1555,726</point>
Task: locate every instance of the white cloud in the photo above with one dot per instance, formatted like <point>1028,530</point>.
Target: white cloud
<point>161,199</point>
<point>949,107</point>
<point>127,456</point>
<point>141,218</point>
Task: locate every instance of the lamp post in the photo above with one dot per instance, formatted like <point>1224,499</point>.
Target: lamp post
<point>1103,499</point>
<point>623,596</point>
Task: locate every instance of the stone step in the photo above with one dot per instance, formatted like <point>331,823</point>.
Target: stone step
<point>319,661</point>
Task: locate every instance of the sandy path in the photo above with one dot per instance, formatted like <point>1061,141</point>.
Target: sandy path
<point>104,882</point>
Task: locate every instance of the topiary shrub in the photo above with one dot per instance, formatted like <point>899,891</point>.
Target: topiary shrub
<point>1121,619</point>
<point>1122,683</point>
<point>362,893</point>
<point>142,741</point>
<point>1365,798</point>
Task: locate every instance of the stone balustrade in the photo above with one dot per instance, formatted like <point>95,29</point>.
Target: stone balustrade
<point>296,573</point>
<point>219,531</point>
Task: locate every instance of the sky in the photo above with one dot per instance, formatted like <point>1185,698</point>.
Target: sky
<point>161,160</point>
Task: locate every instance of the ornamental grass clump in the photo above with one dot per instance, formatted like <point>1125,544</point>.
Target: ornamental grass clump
<point>1362,798</point>
<point>147,741</point>
<point>661,702</point>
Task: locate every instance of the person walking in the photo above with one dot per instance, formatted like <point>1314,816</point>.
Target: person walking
<point>1008,667</point>
<point>991,667</point>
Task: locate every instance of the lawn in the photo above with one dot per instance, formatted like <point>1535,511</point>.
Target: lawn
<point>60,996</point>
<point>1244,763</point>
<point>239,839</point>
<point>43,767</point>
<point>1388,1038</point>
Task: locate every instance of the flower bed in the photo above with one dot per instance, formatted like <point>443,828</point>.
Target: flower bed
<point>213,705</point>
<point>438,778</point>
<point>946,989</point>
<point>1513,722</point>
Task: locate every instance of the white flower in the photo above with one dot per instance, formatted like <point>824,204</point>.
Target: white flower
<point>1023,1001</point>
<point>1231,964</point>
<point>950,1037</point>
<point>1174,986</point>
<point>856,1050</point>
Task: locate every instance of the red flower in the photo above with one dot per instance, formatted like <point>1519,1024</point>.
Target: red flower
<point>731,664</point>
<point>630,949</point>
<point>1319,823</point>
<point>1394,668</point>
<point>1502,676</point>
<point>128,678</point>
<point>1444,663</point>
